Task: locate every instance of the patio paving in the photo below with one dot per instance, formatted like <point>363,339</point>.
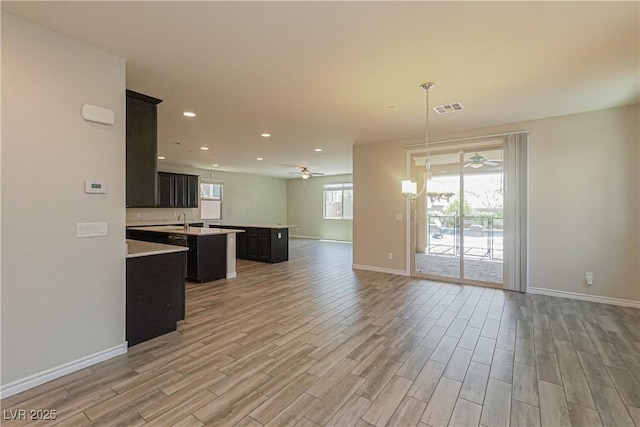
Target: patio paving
<point>449,266</point>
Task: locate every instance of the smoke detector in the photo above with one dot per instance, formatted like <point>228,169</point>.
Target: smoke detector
<point>448,108</point>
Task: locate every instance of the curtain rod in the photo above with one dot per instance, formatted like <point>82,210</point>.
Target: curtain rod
<point>469,138</point>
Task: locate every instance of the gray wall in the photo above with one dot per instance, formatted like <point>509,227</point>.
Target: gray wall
<point>304,208</point>
<point>63,297</point>
<point>247,199</point>
<point>584,202</point>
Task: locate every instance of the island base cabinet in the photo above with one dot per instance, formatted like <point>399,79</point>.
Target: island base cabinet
<point>261,243</point>
<point>155,295</point>
<point>207,260</point>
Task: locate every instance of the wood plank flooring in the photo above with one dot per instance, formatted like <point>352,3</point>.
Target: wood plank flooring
<point>312,342</point>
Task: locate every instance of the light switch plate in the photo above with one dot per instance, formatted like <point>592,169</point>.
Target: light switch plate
<point>91,229</point>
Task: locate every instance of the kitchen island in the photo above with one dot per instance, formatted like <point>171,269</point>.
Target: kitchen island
<point>155,289</point>
<point>265,243</point>
<point>211,251</point>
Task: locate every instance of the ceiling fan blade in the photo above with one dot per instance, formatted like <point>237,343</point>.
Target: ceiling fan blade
<point>317,174</point>
<point>467,165</point>
<point>490,163</point>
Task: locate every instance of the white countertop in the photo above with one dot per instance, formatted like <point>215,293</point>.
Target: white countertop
<point>161,222</point>
<point>138,248</point>
<point>192,231</point>
<point>147,222</point>
<point>276,226</point>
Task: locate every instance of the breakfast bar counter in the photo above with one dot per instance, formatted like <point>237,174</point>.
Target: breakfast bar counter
<point>211,251</point>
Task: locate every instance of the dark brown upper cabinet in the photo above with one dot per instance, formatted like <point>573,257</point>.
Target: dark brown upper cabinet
<point>176,190</point>
<point>142,152</point>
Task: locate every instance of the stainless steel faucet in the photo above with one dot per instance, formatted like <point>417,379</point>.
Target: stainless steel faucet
<point>184,220</point>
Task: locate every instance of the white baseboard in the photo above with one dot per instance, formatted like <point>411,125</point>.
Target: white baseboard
<point>585,297</point>
<point>300,236</point>
<point>379,269</point>
<point>34,380</point>
<point>232,275</point>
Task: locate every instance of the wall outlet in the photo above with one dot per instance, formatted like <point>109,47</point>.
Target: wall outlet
<point>589,277</point>
<point>389,255</point>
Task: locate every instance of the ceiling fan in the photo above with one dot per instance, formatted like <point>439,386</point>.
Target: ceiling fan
<point>305,173</point>
<point>477,161</point>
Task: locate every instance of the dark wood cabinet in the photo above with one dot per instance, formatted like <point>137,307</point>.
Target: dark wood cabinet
<point>177,190</point>
<point>155,295</point>
<point>180,190</point>
<point>209,258</point>
<point>193,190</point>
<point>242,245</point>
<point>207,255</point>
<point>166,190</point>
<point>252,245</point>
<point>141,149</point>
<point>261,243</point>
<point>258,244</point>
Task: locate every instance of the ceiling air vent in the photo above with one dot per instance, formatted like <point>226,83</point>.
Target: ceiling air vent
<point>448,108</point>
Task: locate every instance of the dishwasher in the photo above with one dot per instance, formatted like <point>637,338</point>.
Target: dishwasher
<point>178,240</point>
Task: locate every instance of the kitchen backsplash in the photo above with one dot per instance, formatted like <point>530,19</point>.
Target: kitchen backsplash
<point>139,214</point>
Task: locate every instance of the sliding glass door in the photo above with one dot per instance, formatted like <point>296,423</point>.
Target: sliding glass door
<point>458,221</point>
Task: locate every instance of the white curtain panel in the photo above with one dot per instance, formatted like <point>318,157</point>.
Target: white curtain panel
<point>515,212</point>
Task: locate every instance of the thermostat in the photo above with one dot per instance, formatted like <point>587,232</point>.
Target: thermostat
<point>94,187</point>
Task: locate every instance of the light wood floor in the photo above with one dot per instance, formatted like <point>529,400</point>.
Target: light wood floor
<point>312,342</point>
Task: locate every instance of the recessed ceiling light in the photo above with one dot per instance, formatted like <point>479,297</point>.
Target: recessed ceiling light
<point>318,150</point>
<point>259,158</point>
<point>265,135</point>
<point>161,157</point>
<point>189,114</point>
<point>215,165</point>
<point>204,148</point>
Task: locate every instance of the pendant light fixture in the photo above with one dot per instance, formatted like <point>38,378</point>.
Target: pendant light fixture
<point>410,188</point>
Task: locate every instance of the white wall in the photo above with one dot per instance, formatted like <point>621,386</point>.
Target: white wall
<point>378,170</point>
<point>304,208</point>
<point>584,202</point>
<point>63,298</point>
<point>247,199</point>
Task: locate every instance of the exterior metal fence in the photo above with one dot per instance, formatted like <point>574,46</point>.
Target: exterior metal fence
<point>480,236</point>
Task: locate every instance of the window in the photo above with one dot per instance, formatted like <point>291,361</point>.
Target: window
<point>210,200</point>
<point>338,201</point>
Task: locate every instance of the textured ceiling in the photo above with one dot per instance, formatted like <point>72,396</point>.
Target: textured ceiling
<point>333,74</point>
